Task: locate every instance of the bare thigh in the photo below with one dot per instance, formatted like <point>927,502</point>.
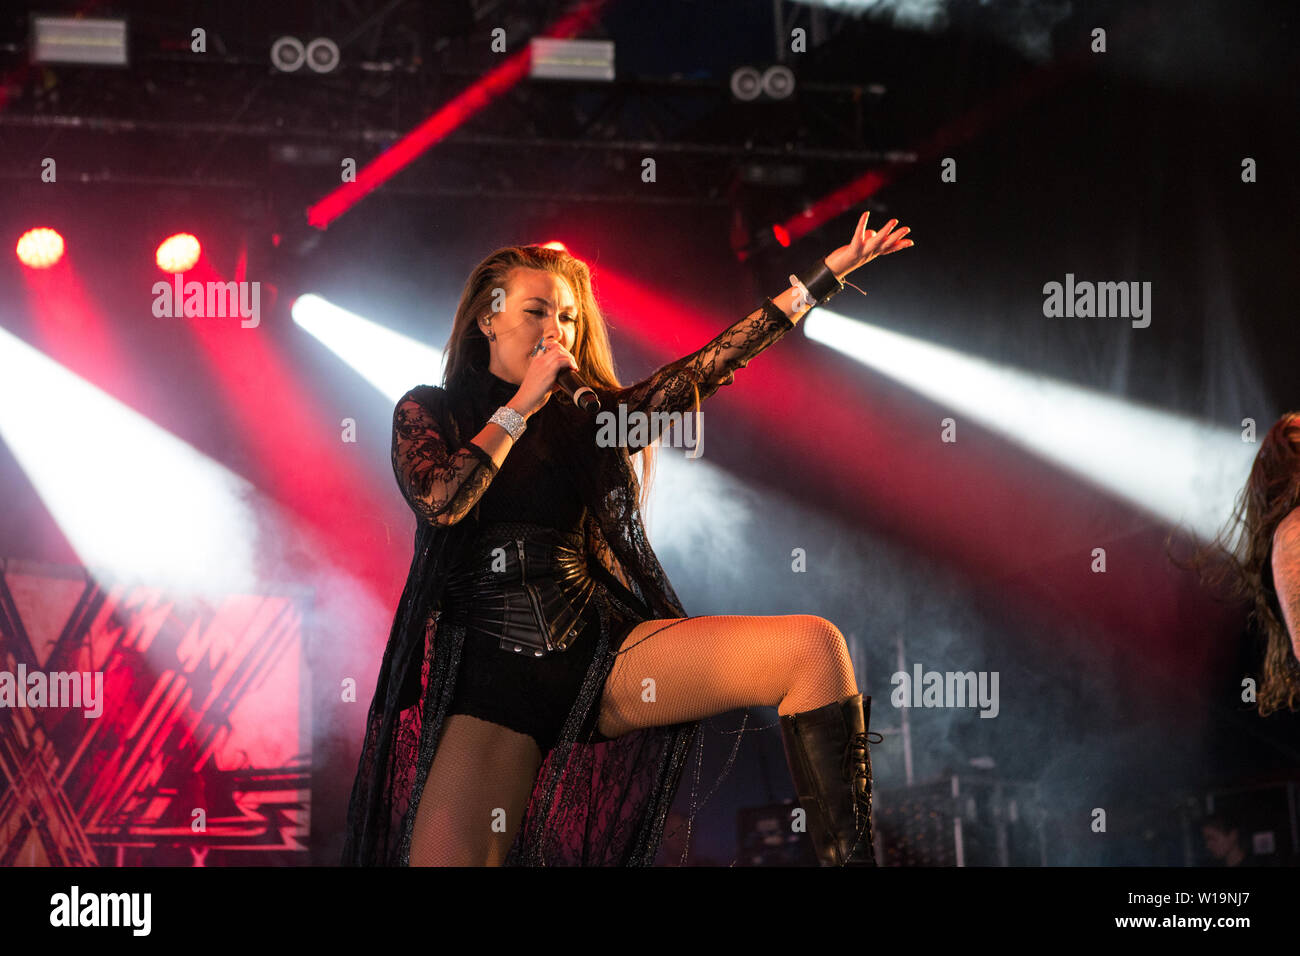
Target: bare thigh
<point>476,794</point>
<point>667,672</point>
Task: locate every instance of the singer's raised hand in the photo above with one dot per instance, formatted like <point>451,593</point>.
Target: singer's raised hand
<point>866,245</point>
<point>539,379</point>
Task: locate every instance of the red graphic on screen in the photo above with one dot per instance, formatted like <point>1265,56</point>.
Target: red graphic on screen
<point>200,754</point>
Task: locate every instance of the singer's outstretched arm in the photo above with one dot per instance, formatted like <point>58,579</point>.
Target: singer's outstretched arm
<point>673,387</point>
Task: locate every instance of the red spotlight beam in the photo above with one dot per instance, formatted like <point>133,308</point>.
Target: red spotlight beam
<point>293,456</point>
<point>443,122</point>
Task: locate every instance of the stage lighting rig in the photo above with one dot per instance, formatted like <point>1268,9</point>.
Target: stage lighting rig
<point>562,59</point>
<point>39,248</point>
<point>774,83</point>
<point>178,253</point>
<point>323,55</point>
<point>81,41</point>
<point>289,55</point>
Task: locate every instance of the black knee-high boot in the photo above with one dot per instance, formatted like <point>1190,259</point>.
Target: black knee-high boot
<point>829,756</point>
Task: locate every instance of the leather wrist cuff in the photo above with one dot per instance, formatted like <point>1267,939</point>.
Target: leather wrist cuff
<point>821,283</point>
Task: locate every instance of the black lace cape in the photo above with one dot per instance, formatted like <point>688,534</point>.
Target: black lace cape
<point>593,804</point>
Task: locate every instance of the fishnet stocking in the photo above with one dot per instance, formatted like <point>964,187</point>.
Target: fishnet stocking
<point>699,667</point>
<point>668,671</point>
<point>480,768</point>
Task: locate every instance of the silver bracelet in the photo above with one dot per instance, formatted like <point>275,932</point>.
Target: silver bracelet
<point>510,420</point>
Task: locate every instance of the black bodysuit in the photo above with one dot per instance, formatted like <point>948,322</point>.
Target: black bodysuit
<point>534,490</point>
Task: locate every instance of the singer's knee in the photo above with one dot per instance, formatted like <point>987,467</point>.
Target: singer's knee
<point>817,645</point>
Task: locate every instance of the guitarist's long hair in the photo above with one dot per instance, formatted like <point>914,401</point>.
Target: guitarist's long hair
<point>1238,565</point>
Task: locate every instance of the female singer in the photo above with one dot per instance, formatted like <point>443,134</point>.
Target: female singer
<point>542,684</point>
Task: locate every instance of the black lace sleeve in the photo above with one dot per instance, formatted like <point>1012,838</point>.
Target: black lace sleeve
<point>439,484</point>
<point>673,388</point>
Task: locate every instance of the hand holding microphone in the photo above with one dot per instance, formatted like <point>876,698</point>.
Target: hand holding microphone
<point>553,366</point>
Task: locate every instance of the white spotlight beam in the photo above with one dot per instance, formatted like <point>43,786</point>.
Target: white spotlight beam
<point>1170,466</point>
<point>130,497</point>
<point>388,360</point>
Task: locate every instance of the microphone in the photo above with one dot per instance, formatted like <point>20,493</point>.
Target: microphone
<point>571,383</point>
<point>578,390</point>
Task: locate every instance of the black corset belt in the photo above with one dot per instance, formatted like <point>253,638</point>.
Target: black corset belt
<point>524,585</point>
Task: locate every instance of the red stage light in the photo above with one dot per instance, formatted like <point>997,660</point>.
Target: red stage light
<point>446,119</point>
<point>39,248</point>
<point>178,253</point>
<point>555,244</point>
<point>782,235</point>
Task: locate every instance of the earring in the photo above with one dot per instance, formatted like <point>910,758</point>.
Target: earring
<point>491,336</point>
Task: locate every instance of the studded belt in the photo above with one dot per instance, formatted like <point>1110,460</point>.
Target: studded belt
<point>525,586</point>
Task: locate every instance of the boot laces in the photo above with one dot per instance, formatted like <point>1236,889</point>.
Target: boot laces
<point>854,769</point>
<point>856,754</point>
